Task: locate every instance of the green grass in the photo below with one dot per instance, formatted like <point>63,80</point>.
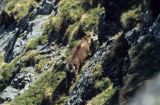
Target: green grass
<point>1,58</point>
<point>45,85</point>
<point>34,42</point>
<point>72,17</point>
<point>71,32</point>
<point>102,84</point>
<point>43,39</point>
<point>90,19</point>
<point>97,71</point>
<point>19,7</point>
<point>103,97</point>
<point>41,64</point>
<point>70,10</point>
<point>54,23</point>
<point>32,54</point>
<point>6,71</point>
<point>131,18</point>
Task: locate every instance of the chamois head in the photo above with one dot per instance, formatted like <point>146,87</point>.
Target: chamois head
<point>91,36</point>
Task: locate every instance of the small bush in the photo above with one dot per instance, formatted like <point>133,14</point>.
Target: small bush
<point>102,84</point>
<point>6,71</point>
<point>70,10</point>
<point>71,32</point>
<point>41,64</point>
<point>54,23</point>
<point>33,54</point>
<point>42,40</point>
<point>57,23</point>
<point>8,68</point>
<point>32,44</point>
<point>97,71</point>
<point>19,7</point>
<point>102,98</point>
<point>130,18</point>
<point>90,19</point>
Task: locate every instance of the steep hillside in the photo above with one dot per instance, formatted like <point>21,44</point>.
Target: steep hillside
<point>78,52</point>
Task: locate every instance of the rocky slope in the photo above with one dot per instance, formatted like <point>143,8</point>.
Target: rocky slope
<point>36,38</point>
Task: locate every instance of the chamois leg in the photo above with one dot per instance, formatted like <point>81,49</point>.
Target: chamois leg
<point>70,79</point>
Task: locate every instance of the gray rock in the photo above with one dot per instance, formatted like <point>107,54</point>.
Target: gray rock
<point>2,5</point>
<point>9,48</point>
<point>140,39</point>
<point>46,7</point>
<point>9,93</point>
<point>155,28</point>
<point>35,30</point>
<point>5,37</point>
<point>132,36</point>
<point>19,84</point>
<point>23,80</point>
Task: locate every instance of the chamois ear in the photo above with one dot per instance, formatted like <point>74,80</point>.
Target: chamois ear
<point>87,33</point>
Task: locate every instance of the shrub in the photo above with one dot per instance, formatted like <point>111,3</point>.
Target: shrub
<point>102,98</point>
<point>90,19</point>
<point>32,44</point>
<point>33,54</point>
<point>42,40</point>
<point>130,18</point>
<point>102,84</point>
<point>19,7</point>
<point>54,23</point>
<point>6,71</point>
<point>71,32</point>
<point>97,71</point>
<point>57,23</point>
<point>70,10</point>
<point>41,64</point>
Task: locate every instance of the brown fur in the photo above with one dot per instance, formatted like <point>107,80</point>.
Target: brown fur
<point>77,58</point>
<point>79,54</point>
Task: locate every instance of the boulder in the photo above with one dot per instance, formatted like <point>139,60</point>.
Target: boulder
<point>9,93</point>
